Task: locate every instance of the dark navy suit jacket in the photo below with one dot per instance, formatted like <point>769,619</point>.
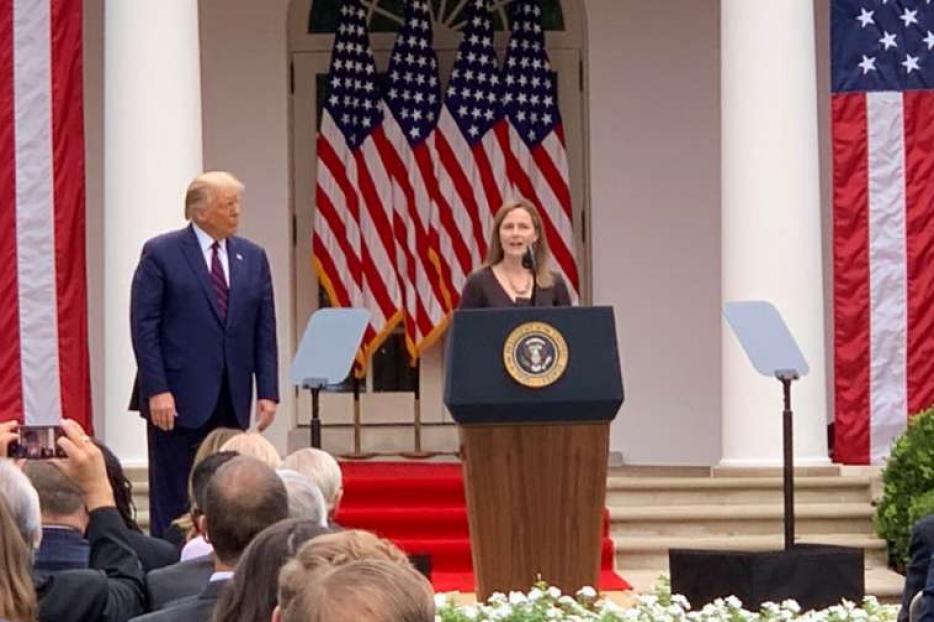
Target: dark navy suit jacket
<point>181,343</point>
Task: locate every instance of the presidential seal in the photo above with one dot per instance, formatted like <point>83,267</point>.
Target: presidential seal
<point>535,354</point>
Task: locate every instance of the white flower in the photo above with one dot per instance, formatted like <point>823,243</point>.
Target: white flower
<point>587,592</point>
<point>517,598</point>
<point>554,592</point>
<point>497,598</point>
<point>791,605</point>
<point>734,602</point>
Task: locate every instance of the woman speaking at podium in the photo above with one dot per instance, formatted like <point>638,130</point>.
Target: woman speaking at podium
<point>517,269</point>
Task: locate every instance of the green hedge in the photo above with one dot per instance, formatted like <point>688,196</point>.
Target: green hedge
<point>908,480</point>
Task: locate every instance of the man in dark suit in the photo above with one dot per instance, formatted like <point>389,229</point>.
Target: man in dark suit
<point>203,325</point>
<point>231,520</point>
<point>64,519</point>
<point>189,577</point>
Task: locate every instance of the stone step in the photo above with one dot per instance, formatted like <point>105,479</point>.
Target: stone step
<point>651,552</point>
<point>758,519</point>
<point>630,491</point>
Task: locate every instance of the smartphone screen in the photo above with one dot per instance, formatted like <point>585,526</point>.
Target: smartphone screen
<point>37,442</point>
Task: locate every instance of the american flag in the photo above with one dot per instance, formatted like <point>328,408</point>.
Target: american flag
<point>44,370</point>
<point>354,249</point>
<point>471,167</point>
<point>412,93</point>
<point>883,239</point>
<point>533,140</point>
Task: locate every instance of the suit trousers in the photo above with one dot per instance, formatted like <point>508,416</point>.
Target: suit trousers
<point>171,456</point>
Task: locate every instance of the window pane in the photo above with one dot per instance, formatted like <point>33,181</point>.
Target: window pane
<point>391,370</point>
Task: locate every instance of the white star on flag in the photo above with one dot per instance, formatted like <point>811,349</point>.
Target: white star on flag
<point>868,64</point>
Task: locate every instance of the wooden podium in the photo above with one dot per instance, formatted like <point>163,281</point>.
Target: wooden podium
<point>535,458</point>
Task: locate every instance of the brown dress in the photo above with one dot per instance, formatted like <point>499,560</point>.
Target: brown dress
<point>483,290</point>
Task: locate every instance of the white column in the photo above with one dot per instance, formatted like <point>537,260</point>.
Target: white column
<point>770,226</point>
<point>152,149</point>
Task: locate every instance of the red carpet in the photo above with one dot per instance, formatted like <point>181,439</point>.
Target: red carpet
<point>421,507</point>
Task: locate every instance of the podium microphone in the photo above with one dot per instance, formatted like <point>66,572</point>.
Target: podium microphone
<point>528,259</point>
<point>529,263</point>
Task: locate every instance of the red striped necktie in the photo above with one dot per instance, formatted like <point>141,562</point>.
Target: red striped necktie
<point>218,282</point>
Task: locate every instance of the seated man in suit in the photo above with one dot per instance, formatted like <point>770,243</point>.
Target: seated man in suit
<point>64,519</point>
<point>242,498</point>
<point>111,589</point>
<point>189,577</point>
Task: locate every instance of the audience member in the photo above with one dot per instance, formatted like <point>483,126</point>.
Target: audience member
<point>111,589</point>
<point>321,468</point>
<point>255,445</point>
<point>200,476</point>
<point>152,552</point>
<point>64,519</point>
<point>374,590</point>
<point>920,551</point>
<point>230,521</point>
<point>251,596</point>
<point>189,576</point>
<point>333,549</point>
<point>305,500</point>
<point>17,595</point>
<point>181,530</point>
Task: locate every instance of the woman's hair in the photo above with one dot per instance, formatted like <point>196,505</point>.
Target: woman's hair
<point>368,589</point>
<point>122,487</point>
<point>494,253</point>
<point>334,549</point>
<point>210,445</point>
<point>255,445</point>
<point>251,594</point>
<point>17,595</point>
<point>321,468</point>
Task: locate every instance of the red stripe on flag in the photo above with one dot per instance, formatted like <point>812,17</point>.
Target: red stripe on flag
<point>336,285</point>
<point>465,190</point>
<point>328,213</point>
<point>11,380</point>
<point>559,186</point>
<point>553,176</point>
<point>373,206</point>
<point>398,172</point>
<point>338,168</point>
<point>425,166</point>
<point>491,189</point>
<point>851,278</point>
<point>68,167</point>
<point>919,231</point>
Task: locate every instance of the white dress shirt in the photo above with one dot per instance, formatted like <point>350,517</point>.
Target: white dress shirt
<point>205,241</point>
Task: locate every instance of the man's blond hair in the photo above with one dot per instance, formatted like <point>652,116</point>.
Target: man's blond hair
<point>374,590</point>
<point>334,549</point>
<point>203,188</point>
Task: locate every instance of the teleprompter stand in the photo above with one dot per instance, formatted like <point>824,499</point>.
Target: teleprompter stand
<point>329,344</point>
<point>813,574</point>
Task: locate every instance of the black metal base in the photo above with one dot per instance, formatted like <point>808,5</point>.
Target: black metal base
<point>815,575</point>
